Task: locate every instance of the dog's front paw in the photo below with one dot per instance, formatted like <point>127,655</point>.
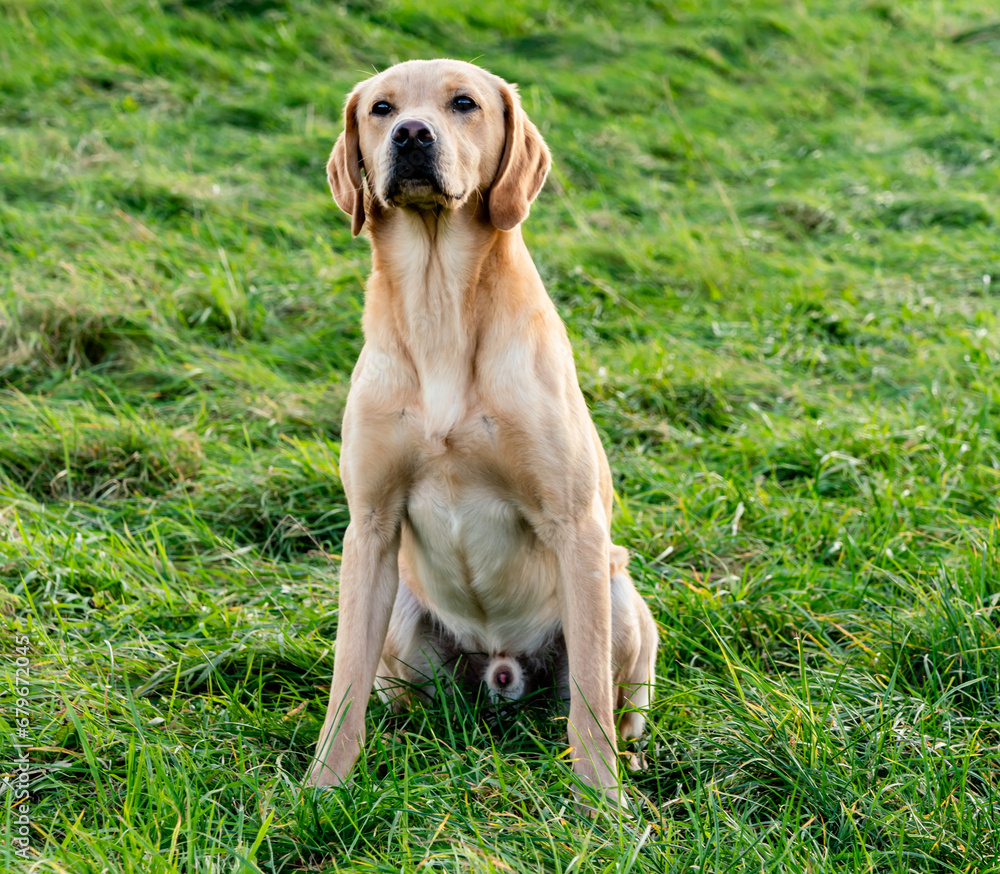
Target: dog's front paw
<point>321,776</point>
<point>334,768</point>
<point>591,801</point>
<point>597,787</point>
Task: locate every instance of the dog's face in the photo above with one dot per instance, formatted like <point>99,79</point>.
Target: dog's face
<point>430,140</point>
<point>433,135</point>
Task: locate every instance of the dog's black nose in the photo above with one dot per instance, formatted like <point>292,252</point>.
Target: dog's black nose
<point>413,133</point>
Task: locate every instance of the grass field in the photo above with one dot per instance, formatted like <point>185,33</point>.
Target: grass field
<point>771,228</point>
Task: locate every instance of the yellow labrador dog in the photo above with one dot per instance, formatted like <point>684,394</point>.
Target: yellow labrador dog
<point>479,493</point>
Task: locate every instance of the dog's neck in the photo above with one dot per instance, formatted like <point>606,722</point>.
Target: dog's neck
<point>426,278</point>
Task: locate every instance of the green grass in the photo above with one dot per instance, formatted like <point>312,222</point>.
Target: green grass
<point>769,228</point>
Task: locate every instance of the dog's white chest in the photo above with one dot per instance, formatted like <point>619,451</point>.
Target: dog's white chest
<point>480,568</point>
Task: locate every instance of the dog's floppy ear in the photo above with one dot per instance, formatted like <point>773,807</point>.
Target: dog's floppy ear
<point>343,170</point>
<point>523,166</point>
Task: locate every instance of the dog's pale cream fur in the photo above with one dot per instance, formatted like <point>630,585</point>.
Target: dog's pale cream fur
<point>479,493</point>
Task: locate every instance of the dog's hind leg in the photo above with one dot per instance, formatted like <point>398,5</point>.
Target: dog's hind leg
<point>633,648</point>
<point>410,658</point>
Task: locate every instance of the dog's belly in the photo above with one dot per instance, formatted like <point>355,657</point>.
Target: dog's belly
<point>472,560</point>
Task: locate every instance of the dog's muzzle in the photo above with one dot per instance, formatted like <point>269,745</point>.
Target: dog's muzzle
<point>415,147</point>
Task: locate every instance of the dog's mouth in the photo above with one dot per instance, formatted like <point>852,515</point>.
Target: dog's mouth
<point>420,193</point>
<point>414,182</point>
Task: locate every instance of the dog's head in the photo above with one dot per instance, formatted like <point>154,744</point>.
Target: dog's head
<point>433,135</point>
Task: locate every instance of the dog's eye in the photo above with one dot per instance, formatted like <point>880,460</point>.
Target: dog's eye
<point>464,103</point>
<point>382,108</point>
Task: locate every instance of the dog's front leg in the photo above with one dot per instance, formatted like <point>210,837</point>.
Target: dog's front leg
<point>586,609</point>
<point>369,577</point>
